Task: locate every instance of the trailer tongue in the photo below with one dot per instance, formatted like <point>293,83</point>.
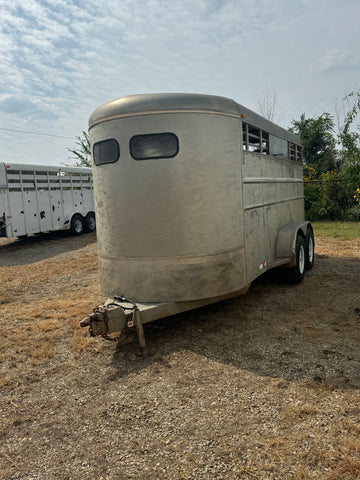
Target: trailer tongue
<point>119,315</point>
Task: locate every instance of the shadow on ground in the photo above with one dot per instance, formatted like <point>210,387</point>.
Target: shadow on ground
<point>306,331</point>
<point>35,248</point>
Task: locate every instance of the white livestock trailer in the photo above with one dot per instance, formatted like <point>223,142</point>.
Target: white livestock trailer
<point>195,196</point>
<point>38,198</point>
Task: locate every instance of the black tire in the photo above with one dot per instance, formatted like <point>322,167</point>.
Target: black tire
<point>77,225</point>
<point>90,222</point>
<point>298,271</point>
<point>309,249</point>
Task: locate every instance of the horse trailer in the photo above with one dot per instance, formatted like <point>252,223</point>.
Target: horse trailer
<point>195,197</point>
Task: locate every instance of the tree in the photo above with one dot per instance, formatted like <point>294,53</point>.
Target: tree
<point>349,141</point>
<point>82,151</point>
<point>267,105</point>
<point>353,99</point>
<point>351,155</point>
<point>318,141</point>
<point>332,193</point>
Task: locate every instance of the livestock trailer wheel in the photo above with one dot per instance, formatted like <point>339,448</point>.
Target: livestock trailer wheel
<point>77,225</point>
<point>90,222</point>
<point>309,249</point>
<point>298,271</point>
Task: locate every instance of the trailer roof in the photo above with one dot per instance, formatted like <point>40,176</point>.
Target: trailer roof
<point>134,105</point>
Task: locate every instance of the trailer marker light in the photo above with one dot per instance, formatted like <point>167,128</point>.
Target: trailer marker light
<point>242,115</point>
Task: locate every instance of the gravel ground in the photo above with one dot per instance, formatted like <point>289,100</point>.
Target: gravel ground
<point>264,386</point>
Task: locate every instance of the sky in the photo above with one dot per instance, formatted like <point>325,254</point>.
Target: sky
<point>61,59</point>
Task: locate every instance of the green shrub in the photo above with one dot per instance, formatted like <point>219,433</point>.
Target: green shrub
<point>353,214</point>
<point>332,195</point>
<point>316,211</point>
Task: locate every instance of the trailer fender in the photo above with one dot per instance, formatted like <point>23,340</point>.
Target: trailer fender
<point>286,241</point>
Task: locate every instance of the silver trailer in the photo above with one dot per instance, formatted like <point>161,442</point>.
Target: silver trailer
<point>39,198</point>
<point>195,197</point>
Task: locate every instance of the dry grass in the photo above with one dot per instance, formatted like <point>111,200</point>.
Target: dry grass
<point>33,331</point>
<point>218,399</point>
<point>333,247</point>
<point>41,304</point>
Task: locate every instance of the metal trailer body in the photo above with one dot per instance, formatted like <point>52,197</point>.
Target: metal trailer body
<point>200,221</point>
<point>38,198</point>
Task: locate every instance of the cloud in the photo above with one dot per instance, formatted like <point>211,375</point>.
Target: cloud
<point>20,109</point>
<point>60,59</point>
<point>336,59</point>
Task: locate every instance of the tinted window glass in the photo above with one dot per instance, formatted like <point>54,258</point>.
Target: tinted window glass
<point>278,147</point>
<point>154,145</point>
<point>106,151</point>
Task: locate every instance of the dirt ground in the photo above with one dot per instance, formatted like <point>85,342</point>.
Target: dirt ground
<point>263,386</point>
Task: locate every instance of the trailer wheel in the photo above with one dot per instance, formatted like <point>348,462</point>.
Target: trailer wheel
<point>90,222</point>
<point>77,225</point>
<point>309,249</point>
<point>298,271</point>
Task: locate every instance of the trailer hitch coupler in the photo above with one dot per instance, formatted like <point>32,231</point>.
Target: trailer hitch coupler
<point>87,320</point>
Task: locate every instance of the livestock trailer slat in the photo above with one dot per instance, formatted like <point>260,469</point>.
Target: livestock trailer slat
<point>38,198</point>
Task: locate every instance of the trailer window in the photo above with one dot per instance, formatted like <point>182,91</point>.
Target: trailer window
<point>153,146</point>
<point>298,153</point>
<point>295,152</point>
<point>255,139</point>
<point>106,151</point>
<point>278,147</point>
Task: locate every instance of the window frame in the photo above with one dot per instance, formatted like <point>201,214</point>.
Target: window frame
<point>255,138</point>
